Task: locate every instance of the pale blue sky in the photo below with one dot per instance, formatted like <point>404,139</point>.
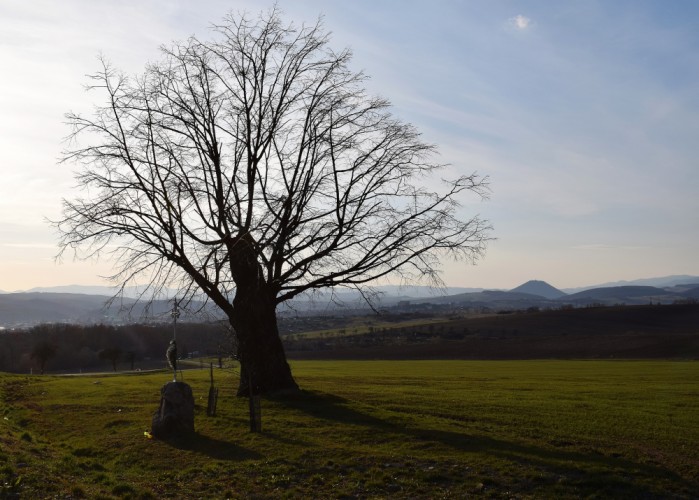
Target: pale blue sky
<point>585,115</point>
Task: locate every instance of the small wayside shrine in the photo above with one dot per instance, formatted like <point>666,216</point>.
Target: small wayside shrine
<point>175,414</point>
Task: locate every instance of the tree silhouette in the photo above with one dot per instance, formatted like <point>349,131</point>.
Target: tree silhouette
<point>111,354</point>
<point>42,352</point>
<point>253,168</point>
<point>131,358</point>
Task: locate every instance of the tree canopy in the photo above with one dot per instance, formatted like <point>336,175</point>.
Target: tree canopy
<point>254,167</point>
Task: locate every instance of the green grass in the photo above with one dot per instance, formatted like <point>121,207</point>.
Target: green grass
<point>363,325</point>
<point>401,429</point>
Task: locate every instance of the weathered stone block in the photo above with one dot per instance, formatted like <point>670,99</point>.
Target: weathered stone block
<point>175,415</point>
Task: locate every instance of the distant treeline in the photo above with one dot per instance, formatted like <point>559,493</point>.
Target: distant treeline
<point>75,348</point>
<point>620,332</point>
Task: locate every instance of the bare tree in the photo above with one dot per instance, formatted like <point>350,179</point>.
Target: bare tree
<point>42,352</point>
<point>253,168</point>
<point>111,354</point>
<point>130,358</point>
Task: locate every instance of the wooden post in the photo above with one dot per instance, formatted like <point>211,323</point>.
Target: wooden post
<point>255,414</point>
<point>255,408</point>
<point>213,394</point>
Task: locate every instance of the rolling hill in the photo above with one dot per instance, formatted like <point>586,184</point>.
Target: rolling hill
<point>622,295</point>
<point>623,332</point>
<point>29,308</point>
<point>26,309</point>
<point>540,288</point>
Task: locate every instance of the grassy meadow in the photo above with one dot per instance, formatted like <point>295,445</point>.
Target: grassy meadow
<point>368,429</point>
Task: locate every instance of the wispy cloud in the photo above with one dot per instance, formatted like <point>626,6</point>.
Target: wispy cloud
<point>606,246</point>
<point>520,22</point>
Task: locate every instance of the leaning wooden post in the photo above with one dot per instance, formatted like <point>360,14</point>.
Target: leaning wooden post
<point>254,407</point>
<point>213,394</point>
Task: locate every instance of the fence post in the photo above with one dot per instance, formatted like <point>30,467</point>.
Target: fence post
<point>254,407</point>
<point>213,394</point>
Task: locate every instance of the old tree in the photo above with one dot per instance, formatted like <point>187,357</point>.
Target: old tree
<point>253,168</point>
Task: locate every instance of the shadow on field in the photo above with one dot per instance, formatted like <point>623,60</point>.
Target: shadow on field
<point>589,471</point>
<point>212,448</point>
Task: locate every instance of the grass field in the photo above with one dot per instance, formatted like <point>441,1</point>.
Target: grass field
<point>398,429</point>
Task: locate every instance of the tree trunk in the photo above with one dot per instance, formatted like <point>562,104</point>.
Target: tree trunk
<point>263,365</point>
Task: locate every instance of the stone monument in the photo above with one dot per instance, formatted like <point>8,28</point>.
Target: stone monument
<point>175,415</point>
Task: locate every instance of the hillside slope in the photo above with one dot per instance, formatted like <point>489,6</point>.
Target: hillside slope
<point>622,295</point>
<point>540,288</point>
<point>628,332</point>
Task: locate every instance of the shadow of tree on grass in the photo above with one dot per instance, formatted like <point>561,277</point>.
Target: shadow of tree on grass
<point>587,472</point>
<point>213,448</point>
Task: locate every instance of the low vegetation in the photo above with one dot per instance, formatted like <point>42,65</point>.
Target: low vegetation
<point>622,332</point>
<point>400,429</point>
<point>74,348</point>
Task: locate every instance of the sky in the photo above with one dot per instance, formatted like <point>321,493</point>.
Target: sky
<point>584,115</point>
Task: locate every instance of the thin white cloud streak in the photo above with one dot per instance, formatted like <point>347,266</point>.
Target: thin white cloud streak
<point>41,246</point>
<point>606,246</point>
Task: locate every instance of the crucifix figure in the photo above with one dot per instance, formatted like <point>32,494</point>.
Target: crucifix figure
<point>171,355</point>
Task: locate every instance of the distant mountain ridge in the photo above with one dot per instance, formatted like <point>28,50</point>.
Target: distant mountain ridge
<point>132,292</point>
<point>56,305</point>
<point>31,308</point>
<point>660,282</point>
<point>623,294</point>
<point>680,280</point>
<point>540,294</point>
